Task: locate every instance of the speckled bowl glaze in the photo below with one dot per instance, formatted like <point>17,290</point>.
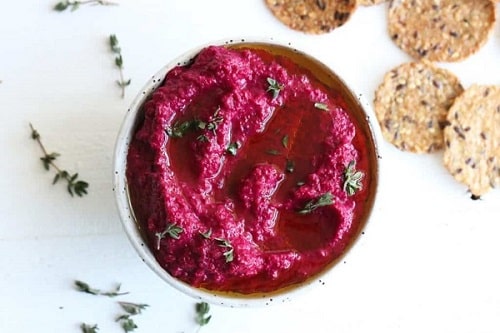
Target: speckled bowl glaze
<point>358,109</point>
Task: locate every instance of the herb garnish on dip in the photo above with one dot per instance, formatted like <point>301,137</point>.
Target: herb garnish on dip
<point>214,167</point>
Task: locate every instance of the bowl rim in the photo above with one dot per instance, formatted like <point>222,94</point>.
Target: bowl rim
<point>125,210</point>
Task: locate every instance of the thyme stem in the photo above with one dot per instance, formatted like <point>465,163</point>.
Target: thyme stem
<point>63,5</point>
<point>74,186</point>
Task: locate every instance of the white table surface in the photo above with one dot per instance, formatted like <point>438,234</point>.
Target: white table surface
<point>427,262</point>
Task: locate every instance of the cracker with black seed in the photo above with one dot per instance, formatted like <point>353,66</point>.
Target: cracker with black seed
<point>472,152</point>
<point>370,2</point>
<point>411,105</point>
<point>312,16</point>
<point>445,30</point>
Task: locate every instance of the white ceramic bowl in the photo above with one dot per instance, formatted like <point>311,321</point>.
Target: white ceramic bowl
<point>132,227</point>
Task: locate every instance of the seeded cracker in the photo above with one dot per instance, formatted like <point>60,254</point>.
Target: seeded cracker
<point>472,152</point>
<point>411,105</point>
<point>312,16</point>
<point>369,2</point>
<point>445,30</point>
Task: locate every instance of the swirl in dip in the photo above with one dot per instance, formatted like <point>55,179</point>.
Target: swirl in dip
<point>237,172</point>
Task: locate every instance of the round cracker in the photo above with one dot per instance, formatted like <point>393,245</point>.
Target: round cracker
<point>369,2</point>
<point>472,152</point>
<point>446,30</point>
<point>411,105</point>
<point>312,16</point>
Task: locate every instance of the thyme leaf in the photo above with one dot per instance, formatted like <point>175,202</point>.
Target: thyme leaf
<point>74,5</point>
<point>321,106</point>
<point>86,328</point>
<point>289,166</point>
<point>179,130</point>
<point>173,230</point>
<point>324,200</point>
<point>74,185</point>
<point>233,148</point>
<point>284,141</point>
<point>128,324</point>
<point>133,308</point>
<point>274,87</point>
<point>352,179</point>
<point>202,310</point>
<point>115,48</point>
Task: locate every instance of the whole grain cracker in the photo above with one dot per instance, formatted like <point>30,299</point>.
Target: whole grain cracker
<point>369,2</point>
<point>312,16</point>
<point>445,30</point>
<point>472,152</point>
<point>411,105</point>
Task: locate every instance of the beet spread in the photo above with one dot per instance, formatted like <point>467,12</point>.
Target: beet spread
<point>222,164</point>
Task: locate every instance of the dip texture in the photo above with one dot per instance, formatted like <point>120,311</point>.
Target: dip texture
<point>231,152</point>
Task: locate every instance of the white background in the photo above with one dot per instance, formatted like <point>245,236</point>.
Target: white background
<point>427,262</point>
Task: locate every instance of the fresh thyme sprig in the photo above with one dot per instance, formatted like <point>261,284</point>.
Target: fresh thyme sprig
<point>229,253</point>
<point>202,310</point>
<point>352,179</point>
<point>180,129</point>
<point>172,229</point>
<point>85,288</point>
<point>86,328</point>
<point>324,200</point>
<point>74,5</point>
<point>115,48</point>
<point>74,186</point>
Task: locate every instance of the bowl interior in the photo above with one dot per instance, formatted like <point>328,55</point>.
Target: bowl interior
<point>134,117</point>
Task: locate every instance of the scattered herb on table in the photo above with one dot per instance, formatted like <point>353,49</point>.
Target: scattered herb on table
<point>74,5</point>
<point>324,200</point>
<point>172,229</point>
<point>352,179</point>
<point>115,48</point>
<point>202,310</point>
<point>274,87</point>
<point>321,106</point>
<point>84,287</point>
<point>128,325</point>
<point>74,186</point>
<point>133,308</point>
<point>86,328</point>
